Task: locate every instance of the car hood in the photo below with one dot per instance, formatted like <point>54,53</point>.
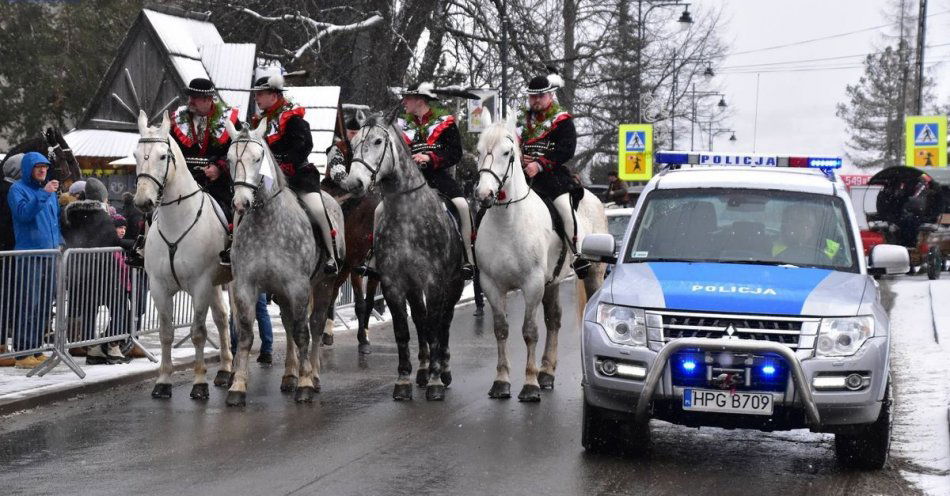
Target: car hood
<point>738,288</point>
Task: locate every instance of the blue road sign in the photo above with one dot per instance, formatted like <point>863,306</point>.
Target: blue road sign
<point>636,141</point>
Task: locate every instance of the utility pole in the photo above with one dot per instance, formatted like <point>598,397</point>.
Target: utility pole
<point>902,106</point>
<point>921,42</point>
<point>504,59</point>
<point>673,112</point>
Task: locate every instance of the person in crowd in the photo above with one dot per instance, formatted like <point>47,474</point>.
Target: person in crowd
<point>33,205</point>
<point>88,224</point>
<point>135,219</point>
<point>617,190</point>
<point>11,173</point>
<point>127,276</point>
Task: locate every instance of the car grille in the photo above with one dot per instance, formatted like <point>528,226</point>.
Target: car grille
<point>784,330</point>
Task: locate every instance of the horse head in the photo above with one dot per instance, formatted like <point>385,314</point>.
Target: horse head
<point>375,154</point>
<point>66,167</point>
<point>247,155</point>
<point>499,161</point>
<point>153,157</point>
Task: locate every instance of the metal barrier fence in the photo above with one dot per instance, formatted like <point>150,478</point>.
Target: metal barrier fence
<point>28,290</point>
<point>51,301</point>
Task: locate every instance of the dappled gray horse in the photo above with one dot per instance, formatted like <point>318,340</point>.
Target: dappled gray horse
<point>418,252</point>
<point>274,251</point>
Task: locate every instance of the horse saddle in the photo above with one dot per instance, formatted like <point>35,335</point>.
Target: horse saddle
<point>453,213</point>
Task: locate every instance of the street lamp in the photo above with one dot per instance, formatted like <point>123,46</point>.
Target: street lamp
<point>722,102</point>
<point>695,96</point>
<point>733,137</point>
<point>708,73</point>
<point>717,131</point>
<point>685,21</point>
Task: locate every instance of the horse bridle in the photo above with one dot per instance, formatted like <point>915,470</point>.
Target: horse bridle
<point>255,188</point>
<point>374,171</point>
<point>504,178</point>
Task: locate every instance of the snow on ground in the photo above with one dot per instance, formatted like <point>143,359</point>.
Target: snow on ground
<point>921,375</point>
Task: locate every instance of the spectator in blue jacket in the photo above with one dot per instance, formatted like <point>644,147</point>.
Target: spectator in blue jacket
<point>35,210</point>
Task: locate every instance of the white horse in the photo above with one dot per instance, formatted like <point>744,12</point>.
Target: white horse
<point>517,248</point>
<point>181,252</point>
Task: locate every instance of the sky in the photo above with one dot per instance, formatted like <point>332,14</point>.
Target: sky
<point>796,109</point>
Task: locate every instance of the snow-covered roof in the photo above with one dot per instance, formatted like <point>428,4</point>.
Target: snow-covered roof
<point>231,67</point>
<point>321,103</point>
<point>182,36</point>
<point>101,142</point>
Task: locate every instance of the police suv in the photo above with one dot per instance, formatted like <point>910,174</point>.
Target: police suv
<point>740,298</point>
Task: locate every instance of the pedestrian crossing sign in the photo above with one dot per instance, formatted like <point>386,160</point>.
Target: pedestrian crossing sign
<point>926,141</point>
<point>635,152</point>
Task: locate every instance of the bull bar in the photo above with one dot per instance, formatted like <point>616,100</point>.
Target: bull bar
<point>706,344</point>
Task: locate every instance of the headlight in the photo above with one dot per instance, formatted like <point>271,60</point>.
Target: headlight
<point>843,336</point>
<point>624,325</point>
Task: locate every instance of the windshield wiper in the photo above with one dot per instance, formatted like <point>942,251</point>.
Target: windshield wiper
<point>757,262</point>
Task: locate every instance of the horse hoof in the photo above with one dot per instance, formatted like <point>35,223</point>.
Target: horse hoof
<point>435,392</point>
<point>200,392</point>
<point>500,390</point>
<point>402,392</point>
<point>446,378</point>
<point>236,398</point>
<point>304,395</point>
<point>162,391</point>
<point>545,380</point>
<point>422,378</point>
<point>364,349</point>
<point>327,339</point>
<point>530,394</point>
<point>316,384</point>
<point>223,378</point>
<point>288,383</point>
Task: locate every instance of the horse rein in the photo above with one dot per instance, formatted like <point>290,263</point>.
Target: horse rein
<point>504,178</point>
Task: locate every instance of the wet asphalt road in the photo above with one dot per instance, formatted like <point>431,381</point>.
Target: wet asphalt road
<point>355,440</point>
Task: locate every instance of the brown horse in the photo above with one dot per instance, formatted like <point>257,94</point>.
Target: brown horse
<point>52,144</point>
<point>358,229</point>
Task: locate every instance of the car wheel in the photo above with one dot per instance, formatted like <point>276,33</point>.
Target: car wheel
<point>934,263</point>
<point>610,433</point>
<point>867,447</point>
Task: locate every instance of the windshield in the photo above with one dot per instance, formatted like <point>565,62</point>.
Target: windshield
<point>617,225</point>
<point>744,226</point>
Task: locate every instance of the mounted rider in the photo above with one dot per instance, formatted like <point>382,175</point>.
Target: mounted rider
<point>340,153</point>
<point>198,128</point>
<point>435,143</point>
<point>548,139</point>
<point>289,139</point>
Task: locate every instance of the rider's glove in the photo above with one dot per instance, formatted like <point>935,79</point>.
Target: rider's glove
<point>338,172</point>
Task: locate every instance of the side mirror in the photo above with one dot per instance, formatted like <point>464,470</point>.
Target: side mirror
<point>889,259</point>
<point>599,247</point>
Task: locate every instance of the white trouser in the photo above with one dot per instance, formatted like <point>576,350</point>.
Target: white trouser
<point>563,206</point>
<point>319,218</point>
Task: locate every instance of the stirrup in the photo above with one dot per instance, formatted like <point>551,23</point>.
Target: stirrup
<point>330,267</point>
<point>468,271</point>
<point>581,267</point>
<point>225,256</point>
<point>365,270</point>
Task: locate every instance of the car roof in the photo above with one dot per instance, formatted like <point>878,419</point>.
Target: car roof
<point>771,178</point>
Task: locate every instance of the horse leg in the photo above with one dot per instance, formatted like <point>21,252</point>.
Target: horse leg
<point>552,322</point>
<point>199,334</point>
<point>498,300</point>
<point>301,337</point>
<point>163,304</point>
<point>419,308</point>
<point>245,302</point>
<point>435,389</point>
<point>363,305</point>
<point>397,307</point>
<point>328,324</point>
<point>288,383</point>
<point>323,297</point>
<point>220,316</point>
<point>533,290</point>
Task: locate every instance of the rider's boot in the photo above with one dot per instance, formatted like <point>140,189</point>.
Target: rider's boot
<point>562,204</point>
<point>318,216</point>
<point>468,269</point>
<point>225,254</point>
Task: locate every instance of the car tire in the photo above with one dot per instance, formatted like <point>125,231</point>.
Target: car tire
<point>609,433</point>
<point>934,263</point>
<point>867,447</point>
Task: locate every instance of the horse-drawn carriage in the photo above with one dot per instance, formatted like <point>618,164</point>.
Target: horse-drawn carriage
<point>911,209</point>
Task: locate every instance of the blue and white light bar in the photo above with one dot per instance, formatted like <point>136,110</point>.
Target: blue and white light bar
<point>675,158</point>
